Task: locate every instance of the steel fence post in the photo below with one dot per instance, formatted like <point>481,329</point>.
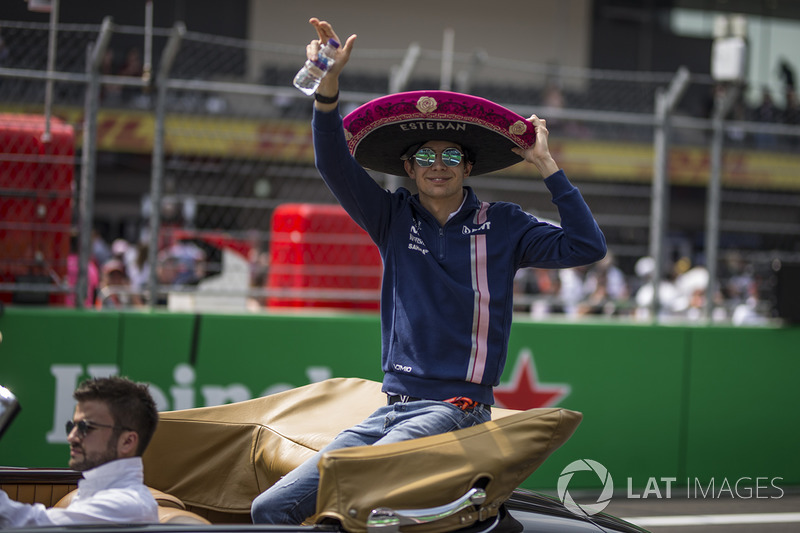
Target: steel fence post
<point>722,105</point>
<point>89,159</point>
<point>665,104</point>
<point>157,177</point>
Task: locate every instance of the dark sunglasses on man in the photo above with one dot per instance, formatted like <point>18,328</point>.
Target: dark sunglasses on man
<point>84,427</point>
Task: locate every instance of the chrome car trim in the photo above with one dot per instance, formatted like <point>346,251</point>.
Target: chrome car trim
<point>386,520</point>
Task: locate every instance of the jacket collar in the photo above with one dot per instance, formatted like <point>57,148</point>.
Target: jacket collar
<point>471,203</point>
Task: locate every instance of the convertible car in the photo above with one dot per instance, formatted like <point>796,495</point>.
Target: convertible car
<point>206,465</point>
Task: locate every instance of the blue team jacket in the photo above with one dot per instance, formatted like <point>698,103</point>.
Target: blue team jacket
<point>447,291</point>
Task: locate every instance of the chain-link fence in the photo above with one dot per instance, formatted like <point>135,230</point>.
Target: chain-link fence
<point>210,131</point>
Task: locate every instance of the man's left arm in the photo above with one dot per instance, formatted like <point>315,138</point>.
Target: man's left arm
<point>578,241</point>
<point>17,514</point>
<point>120,506</point>
<point>573,241</point>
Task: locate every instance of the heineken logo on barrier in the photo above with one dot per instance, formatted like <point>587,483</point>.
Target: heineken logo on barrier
<point>523,390</point>
<point>182,394</point>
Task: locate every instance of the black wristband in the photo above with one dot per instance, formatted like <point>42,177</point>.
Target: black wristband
<point>326,99</point>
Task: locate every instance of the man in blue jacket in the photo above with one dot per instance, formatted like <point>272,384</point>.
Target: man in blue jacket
<point>449,259</point>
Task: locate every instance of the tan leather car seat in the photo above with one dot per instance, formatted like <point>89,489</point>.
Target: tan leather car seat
<point>170,509</point>
<point>170,515</point>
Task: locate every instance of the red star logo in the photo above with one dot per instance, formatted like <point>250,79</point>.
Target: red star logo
<point>523,391</point>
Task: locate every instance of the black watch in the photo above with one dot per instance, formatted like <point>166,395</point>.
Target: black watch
<point>326,99</point>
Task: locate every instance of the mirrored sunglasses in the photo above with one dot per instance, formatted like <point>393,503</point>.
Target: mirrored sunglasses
<point>85,427</point>
<point>427,156</point>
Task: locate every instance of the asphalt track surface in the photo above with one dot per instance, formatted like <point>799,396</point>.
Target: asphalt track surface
<point>680,514</point>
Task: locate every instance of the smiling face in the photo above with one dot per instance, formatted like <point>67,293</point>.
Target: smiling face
<point>440,187</point>
<point>101,444</point>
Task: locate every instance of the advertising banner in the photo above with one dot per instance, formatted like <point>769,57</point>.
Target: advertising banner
<point>663,406</point>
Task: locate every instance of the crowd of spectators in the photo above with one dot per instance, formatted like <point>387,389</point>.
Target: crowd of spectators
<point>118,274</point>
<point>130,65</point>
<point>603,289</point>
<point>769,109</point>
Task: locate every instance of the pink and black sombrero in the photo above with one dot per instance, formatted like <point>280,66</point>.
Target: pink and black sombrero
<point>381,132</point>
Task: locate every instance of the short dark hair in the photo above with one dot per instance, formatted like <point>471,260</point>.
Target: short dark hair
<point>130,404</point>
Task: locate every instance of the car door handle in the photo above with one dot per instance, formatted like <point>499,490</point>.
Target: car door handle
<point>386,520</point>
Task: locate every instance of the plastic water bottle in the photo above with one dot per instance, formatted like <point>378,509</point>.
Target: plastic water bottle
<point>308,78</point>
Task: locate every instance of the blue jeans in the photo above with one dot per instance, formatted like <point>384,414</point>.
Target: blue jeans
<point>294,497</point>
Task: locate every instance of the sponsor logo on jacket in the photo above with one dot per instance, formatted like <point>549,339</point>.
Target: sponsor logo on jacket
<point>415,243</point>
<point>483,228</point>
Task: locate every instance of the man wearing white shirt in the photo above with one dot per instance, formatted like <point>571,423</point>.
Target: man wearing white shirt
<point>112,425</point>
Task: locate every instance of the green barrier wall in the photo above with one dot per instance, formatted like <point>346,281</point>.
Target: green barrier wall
<point>664,406</point>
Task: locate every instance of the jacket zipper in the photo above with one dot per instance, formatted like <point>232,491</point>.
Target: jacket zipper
<point>441,243</point>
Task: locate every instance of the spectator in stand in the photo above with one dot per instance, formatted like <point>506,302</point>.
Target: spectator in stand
<point>749,312</point>
<point>572,289</point>
<point>522,289</point>
<point>690,302</point>
<point>767,112</point>
<point>791,111</point>
<point>259,270</point>
<point>605,287</point>
<point>786,73</point>
<point>110,93</point>
<point>167,269</point>
<point>93,276</point>
<point>134,67</point>
<point>537,291</point>
<point>101,251</point>
<point>139,269</point>
<point>133,63</point>
<point>554,101</point>
<point>739,275</point>
<point>123,251</point>
<point>791,114</point>
<point>191,261</point>
<point>667,294</point>
<point>115,288</point>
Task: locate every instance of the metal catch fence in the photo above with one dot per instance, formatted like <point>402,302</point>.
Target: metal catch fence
<point>185,146</point>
